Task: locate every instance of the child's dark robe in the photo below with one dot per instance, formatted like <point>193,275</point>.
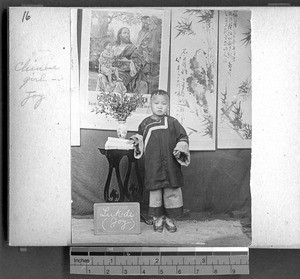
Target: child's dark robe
<point>160,139</point>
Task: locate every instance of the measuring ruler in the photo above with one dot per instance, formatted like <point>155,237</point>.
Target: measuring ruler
<point>159,260</point>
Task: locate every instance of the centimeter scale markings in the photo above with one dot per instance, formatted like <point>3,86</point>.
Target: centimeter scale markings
<point>159,260</point>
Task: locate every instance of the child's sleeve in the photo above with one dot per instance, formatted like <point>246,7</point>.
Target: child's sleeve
<point>138,143</point>
<point>181,150</point>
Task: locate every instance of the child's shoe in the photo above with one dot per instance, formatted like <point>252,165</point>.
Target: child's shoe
<point>170,226</point>
<point>158,224</point>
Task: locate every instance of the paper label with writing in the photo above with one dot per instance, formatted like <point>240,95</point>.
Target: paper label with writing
<point>117,218</point>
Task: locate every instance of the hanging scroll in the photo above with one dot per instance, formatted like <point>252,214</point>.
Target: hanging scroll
<point>194,74</point>
<point>234,83</point>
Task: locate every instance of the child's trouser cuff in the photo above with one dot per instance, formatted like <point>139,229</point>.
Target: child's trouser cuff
<point>166,201</point>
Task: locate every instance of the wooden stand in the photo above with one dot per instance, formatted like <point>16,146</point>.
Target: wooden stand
<point>132,193</point>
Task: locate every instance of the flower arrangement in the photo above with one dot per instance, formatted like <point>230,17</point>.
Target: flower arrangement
<point>119,105</point>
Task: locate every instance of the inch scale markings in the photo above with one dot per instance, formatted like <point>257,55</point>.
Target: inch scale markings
<point>159,260</point>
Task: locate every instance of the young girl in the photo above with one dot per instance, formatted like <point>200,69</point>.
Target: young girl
<point>164,143</point>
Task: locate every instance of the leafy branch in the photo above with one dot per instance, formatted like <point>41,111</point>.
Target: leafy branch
<point>204,16</point>
<point>245,88</point>
<point>184,27</point>
<point>239,126</point>
<point>247,131</point>
<point>224,96</point>
<point>247,37</point>
<point>208,122</point>
<point>117,105</point>
<point>238,116</point>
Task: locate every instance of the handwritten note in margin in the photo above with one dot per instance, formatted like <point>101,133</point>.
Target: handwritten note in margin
<point>39,115</point>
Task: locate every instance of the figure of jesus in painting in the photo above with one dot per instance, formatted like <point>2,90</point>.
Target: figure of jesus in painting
<point>128,63</point>
<point>128,60</point>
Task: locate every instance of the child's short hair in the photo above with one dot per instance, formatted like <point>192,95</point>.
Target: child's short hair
<point>160,92</point>
<point>106,43</point>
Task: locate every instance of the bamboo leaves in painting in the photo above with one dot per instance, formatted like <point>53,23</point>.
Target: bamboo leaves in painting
<point>235,89</point>
<point>193,74</point>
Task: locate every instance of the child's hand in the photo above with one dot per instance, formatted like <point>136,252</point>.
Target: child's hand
<point>135,141</point>
<point>176,154</point>
<point>180,155</point>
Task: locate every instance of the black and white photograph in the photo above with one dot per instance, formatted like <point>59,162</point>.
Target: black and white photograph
<point>164,180</point>
<point>150,140</point>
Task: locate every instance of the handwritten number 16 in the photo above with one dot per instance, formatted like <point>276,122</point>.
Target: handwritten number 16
<point>26,16</point>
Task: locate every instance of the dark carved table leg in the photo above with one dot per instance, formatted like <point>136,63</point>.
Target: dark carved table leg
<point>114,157</point>
<point>133,192</point>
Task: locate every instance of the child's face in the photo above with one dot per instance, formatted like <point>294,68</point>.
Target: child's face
<point>108,47</point>
<point>159,104</point>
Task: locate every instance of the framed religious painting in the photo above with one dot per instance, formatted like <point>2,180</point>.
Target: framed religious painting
<point>123,58</point>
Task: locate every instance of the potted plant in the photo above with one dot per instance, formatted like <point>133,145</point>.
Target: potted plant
<point>119,106</point>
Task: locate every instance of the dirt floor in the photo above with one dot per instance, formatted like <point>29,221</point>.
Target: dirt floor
<point>194,229</point>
